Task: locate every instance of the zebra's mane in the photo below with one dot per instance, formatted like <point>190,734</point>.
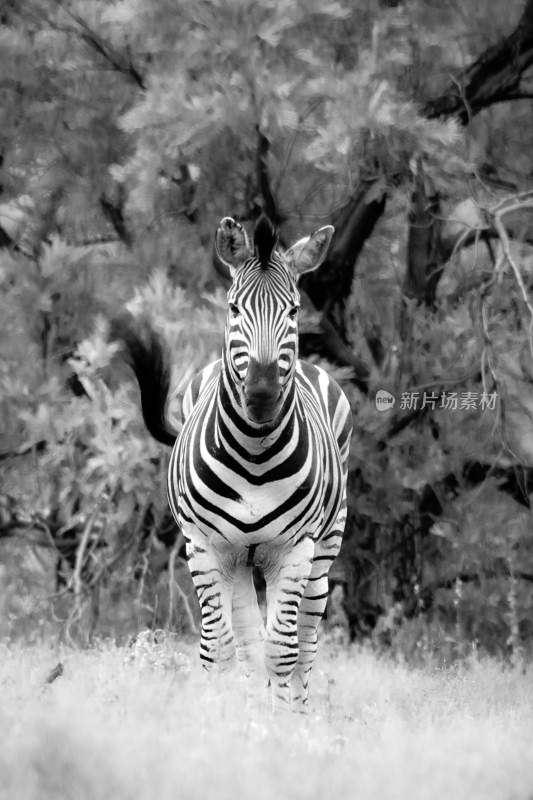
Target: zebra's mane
<point>265,240</point>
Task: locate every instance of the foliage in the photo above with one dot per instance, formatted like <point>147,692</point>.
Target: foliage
<point>128,129</point>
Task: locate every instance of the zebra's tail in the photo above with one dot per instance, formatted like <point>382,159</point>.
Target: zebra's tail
<point>148,357</point>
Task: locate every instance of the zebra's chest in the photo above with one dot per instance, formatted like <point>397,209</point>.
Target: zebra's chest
<point>255,517</point>
<point>248,501</point>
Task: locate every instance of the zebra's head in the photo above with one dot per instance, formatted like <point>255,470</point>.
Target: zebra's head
<point>261,344</point>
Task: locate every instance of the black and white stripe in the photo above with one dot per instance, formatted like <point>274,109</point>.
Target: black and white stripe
<point>258,472</point>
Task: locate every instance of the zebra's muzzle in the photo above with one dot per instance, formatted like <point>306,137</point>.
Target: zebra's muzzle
<point>263,412</point>
<point>262,391</point>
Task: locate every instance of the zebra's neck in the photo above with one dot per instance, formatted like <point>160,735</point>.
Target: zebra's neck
<point>254,438</point>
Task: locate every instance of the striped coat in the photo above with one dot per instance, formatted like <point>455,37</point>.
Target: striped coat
<point>257,475</point>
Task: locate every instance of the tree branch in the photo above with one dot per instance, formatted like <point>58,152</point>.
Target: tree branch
<point>118,61</point>
<point>330,343</point>
<point>115,214</point>
<point>493,77</point>
<point>475,577</point>
<point>525,200</point>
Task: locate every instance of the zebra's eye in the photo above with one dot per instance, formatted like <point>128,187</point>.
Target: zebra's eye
<point>234,310</point>
<point>293,313</point>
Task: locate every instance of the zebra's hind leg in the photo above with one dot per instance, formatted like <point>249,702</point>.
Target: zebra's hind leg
<point>286,575</point>
<point>212,576</point>
<point>249,633</point>
<point>311,612</point>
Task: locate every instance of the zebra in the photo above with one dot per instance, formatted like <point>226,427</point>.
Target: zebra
<point>257,474</point>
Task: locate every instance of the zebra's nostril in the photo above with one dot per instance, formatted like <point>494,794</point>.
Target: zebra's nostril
<point>262,392</point>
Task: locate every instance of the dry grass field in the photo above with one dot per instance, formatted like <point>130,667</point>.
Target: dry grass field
<point>143,722</point>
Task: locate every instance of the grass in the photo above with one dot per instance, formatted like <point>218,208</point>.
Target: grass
<point>144,722</point>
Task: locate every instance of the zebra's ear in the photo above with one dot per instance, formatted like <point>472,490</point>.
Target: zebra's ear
<point>307,254</point>
<point>232,246</point>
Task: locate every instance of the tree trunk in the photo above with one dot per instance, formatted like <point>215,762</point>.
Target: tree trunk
<point>330,286</point>
<point>424,254</point>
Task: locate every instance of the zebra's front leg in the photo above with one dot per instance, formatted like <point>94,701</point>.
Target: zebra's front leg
<point>286,578</point>
<point>310,613</point>
<point>213,580</point>
<point>249,633</point>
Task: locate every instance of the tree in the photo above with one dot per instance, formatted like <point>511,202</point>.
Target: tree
<point>129,129</point>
